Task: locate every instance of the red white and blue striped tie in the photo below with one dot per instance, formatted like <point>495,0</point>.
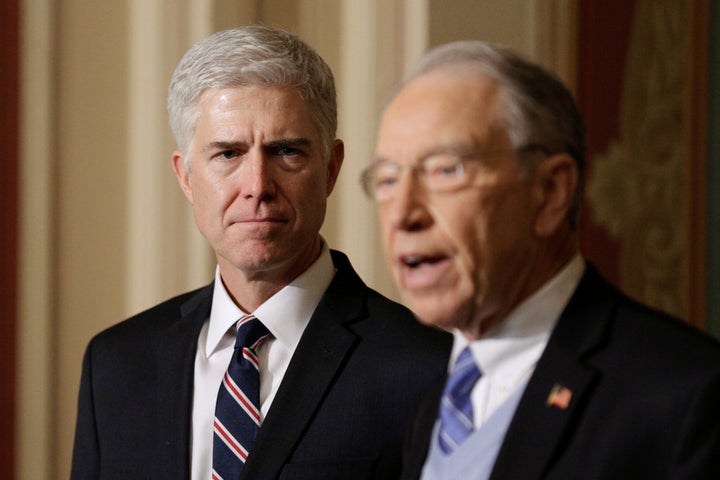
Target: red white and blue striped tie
<point>237,412</point>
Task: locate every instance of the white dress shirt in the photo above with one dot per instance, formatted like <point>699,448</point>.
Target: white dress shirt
<point>508,354</point>
<point>285,314</point>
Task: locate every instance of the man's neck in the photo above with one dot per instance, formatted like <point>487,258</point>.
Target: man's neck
<point>250,289</point>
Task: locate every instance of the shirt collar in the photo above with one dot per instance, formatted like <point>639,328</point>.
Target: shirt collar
<point>525,331</point>
<point>285,314</point>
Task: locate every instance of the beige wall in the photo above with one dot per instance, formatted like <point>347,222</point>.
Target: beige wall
<point>105,232</point>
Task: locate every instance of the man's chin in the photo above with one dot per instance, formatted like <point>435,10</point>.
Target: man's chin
<point>433,312</point>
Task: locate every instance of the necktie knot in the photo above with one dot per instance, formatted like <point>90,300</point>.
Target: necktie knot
<point>250,332</point>
<point>456,412</point>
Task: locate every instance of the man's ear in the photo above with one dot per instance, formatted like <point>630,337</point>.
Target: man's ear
<point>557,180</point>
<point>183,176</point>
<point>337,155</point>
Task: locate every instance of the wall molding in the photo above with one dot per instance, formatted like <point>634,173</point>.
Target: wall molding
<point>35,426</point>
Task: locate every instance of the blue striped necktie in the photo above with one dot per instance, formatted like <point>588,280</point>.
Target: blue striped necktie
<point>237,411</point>
<point>456,412</point>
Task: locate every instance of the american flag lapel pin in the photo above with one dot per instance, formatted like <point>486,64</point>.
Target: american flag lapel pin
<point>559,397</point>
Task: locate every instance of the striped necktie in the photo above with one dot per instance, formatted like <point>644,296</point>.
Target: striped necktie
<point>237,411</point>
<point>456,412</point>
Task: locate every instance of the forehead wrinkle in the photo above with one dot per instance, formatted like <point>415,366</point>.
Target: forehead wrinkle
<point>443,96</point>
<point>458,147</point>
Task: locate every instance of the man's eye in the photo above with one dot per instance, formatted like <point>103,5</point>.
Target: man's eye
<point>443,167</point>
<point>287,151</point>
<point>385,181</point>
<point>445,170</point>
<point>385,176</point>
<point>228,154</point>
<point>290,158</point>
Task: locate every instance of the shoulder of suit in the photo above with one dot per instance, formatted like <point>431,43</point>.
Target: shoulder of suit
<point>157,317</point>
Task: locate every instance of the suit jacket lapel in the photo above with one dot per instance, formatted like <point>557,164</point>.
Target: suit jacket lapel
<point>320,354</point>
<point>542,419</point>
<point>176,360</point>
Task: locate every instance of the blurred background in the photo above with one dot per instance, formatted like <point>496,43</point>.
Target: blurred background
<point>93,227</point>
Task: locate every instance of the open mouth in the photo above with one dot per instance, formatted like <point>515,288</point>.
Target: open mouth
<point>418,261</point>
<point>421,273</point>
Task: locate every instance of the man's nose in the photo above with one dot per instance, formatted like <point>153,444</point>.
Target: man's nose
<point>408,208</point>
<point>256,176</point>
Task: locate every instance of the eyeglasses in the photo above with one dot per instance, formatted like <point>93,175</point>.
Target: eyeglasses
<point>440,171</point>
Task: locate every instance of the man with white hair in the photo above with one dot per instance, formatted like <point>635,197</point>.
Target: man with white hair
<point>554,373</point>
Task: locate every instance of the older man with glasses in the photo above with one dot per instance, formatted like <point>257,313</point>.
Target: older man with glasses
<point>554,373</point>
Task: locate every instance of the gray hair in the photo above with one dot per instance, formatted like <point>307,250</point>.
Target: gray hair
<point>251,55</point>
<point>537,112</point>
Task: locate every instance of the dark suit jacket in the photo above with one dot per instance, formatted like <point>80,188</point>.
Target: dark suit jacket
<point>362,364</point>
<point>645,399</point>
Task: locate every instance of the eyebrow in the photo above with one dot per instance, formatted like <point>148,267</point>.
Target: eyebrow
<point>220,145</point>
<point>280,143</point>
<point>288,142</point>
